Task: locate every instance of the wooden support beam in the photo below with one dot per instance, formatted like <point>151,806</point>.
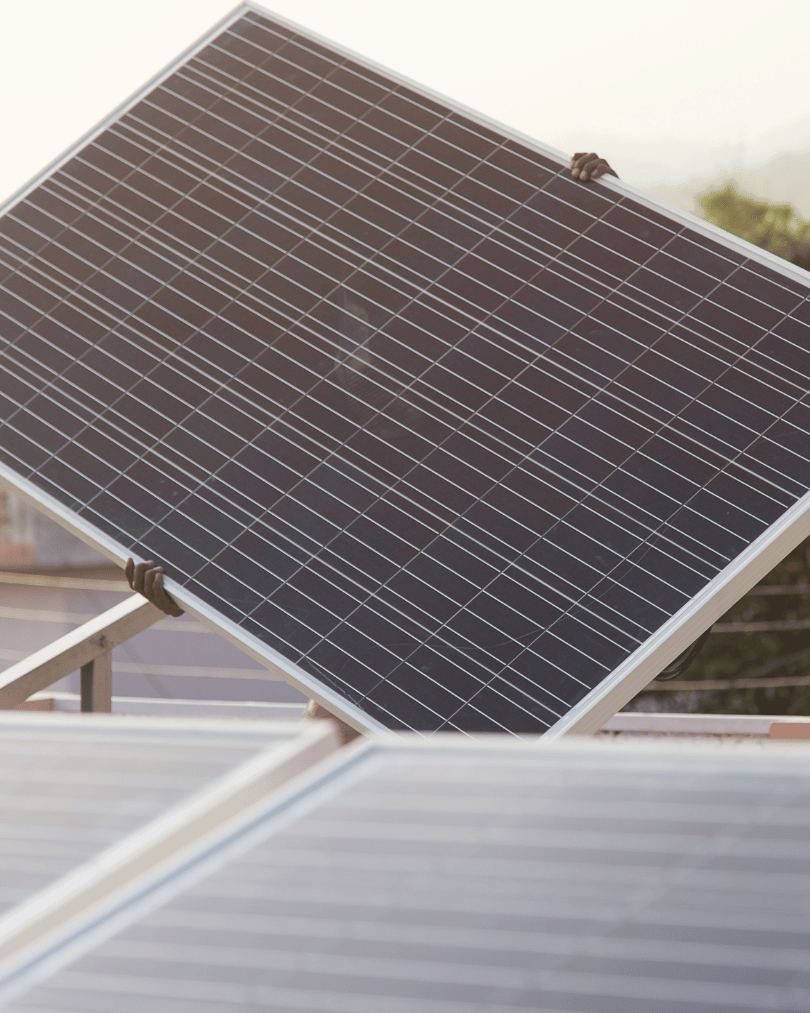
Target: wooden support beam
<point>88,647</point>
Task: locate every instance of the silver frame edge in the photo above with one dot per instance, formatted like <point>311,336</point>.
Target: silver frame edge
<point>266,656</point>
<point>611,182</point>
<point>302,756</point>
<point>674,636</point>
<point>120,109</point>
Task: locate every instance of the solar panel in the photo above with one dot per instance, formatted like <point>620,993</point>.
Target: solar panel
<point>447,438</point>
<point>596,880</point>
<point>89,804</point>
<point>72,788</point>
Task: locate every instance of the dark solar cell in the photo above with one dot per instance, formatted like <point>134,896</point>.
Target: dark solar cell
<point>390,385</point>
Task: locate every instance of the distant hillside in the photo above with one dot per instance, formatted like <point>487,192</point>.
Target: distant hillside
<point>783,180</point>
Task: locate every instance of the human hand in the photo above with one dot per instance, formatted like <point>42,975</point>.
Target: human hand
<point>345,732</point>
<point>147,579</point>
<point>586,166</point>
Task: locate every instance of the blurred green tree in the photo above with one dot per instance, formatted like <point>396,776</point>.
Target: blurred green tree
<point>773,227</point>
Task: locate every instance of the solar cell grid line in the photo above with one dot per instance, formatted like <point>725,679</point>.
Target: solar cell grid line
<point>446,437</point>
<point>588,876</point>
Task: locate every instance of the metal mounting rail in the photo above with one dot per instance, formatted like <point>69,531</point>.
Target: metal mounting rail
<point>87,648</point>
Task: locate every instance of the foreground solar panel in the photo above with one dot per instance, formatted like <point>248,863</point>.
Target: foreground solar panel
<point>76,788</point>
<point>450,440</point>
<point>482,879</point>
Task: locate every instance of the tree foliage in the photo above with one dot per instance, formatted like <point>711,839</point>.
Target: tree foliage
<point>773,227</point>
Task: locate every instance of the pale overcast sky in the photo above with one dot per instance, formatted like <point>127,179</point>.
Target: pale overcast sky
<point>666,90</point>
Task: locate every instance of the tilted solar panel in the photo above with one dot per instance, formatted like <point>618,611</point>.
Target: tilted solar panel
<point>70,791</point>
<point>482,880</point>
<point>452,440</point>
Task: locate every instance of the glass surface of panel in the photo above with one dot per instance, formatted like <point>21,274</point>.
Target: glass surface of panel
<point>591,880</point>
